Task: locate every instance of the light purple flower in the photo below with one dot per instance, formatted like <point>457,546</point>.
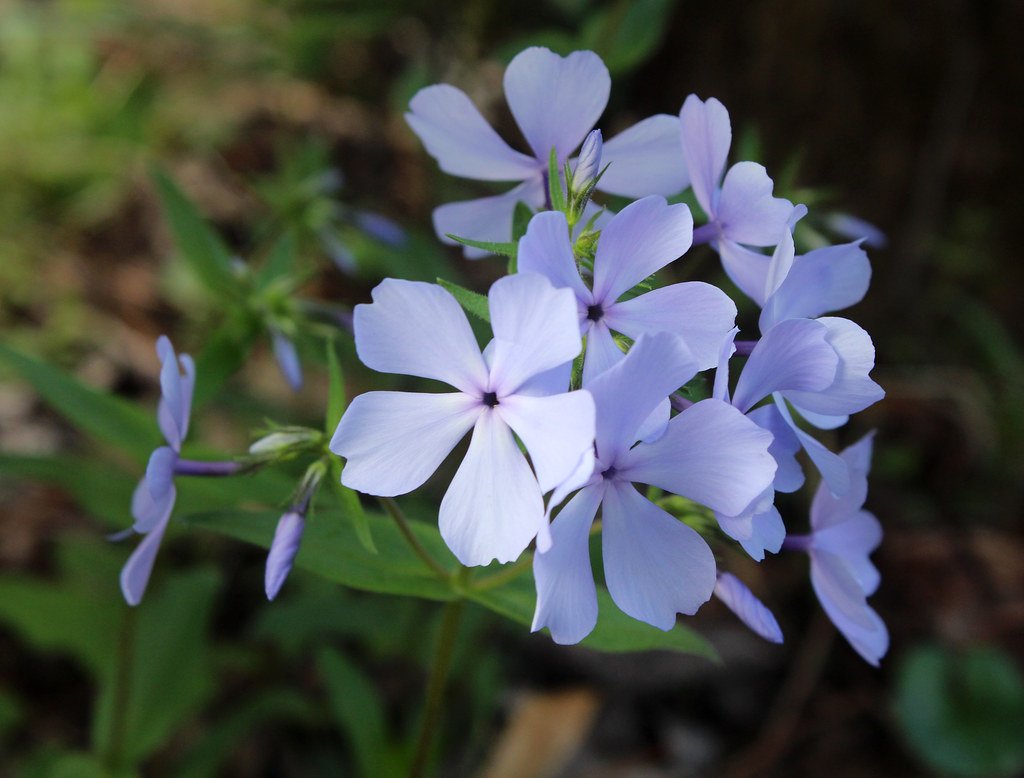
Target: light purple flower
<point>154,497</point>
<point>644,237</point>
<point>655,565</point>
<point>394,441</point>
<point>283,548</point>
<point>843,535</point>
<point>750,610</point>
<point>740,209</point>
<point>555,101</point>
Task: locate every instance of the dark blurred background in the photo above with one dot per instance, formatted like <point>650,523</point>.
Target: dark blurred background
<point>908,115</point>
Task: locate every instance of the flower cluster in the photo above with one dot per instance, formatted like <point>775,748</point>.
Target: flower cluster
<point>590,363</point>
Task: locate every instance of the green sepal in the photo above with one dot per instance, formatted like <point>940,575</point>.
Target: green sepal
<point>473,302</point>
<point>555,191</point>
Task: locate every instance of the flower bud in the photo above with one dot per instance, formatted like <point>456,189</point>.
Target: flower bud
<point>589,163</point>
<point>287,538</point>
<point>279,441</point>
<point>287,359</point>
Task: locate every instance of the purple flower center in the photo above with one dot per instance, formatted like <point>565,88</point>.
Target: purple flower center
<point>490,399</point>
<point>595,312</point>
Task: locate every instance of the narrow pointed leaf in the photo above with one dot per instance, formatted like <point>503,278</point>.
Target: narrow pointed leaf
<point>472,302</point>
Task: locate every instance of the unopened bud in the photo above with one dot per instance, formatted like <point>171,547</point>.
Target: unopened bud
<point>284,547</point>
<point>281,440</point>
<point>589,163</point>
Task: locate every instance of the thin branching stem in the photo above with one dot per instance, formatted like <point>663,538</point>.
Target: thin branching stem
<point>405,528</point>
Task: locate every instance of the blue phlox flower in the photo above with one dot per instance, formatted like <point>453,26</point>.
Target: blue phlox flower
<point>153,500</point>
<point>842,537</point>
<point>555,101</point>
<point>640,240</point>
<point>750,610</point>
<point>741,209</point>
<point>394,441</point>
<point>655,565</point>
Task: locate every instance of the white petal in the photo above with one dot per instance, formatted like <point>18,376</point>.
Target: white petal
<point>394,441</point>
<point>493,507</point>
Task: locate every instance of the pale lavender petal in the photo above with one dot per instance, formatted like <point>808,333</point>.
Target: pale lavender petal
<point>834,471</point>
<point>823,422</point>
<point>556,431</point>
<point>580,477</point>
<point>768,534</point>
<point>750,610</point>
<point>160,471</point>
<point>655,565</point>
<point>536,328</point>
<point>287,359</point>
<point>870,642</point>
<point>654,426</point>
<point>486,219</point>
<point>710,453</point>
<point>836,586</point>
<point>554,381</point>
<point>148,509</point>
<point>853,540</point>
<point>645,159</point>
<point>855,228</point>
<point>283,548</point>
<point>136,571</point>
<point>394,441</point>
<point>785,445</point>
<point>706,137</point>
<point>640,239</point>
<point>172,414</point>
<point>748,269</point>
<point>827,509</point>
<point>720,390</point>
<point>795,354</point>
<point>566,595</point>
<point>852,390</point>
<point>699,313</point>
<point>602,352</point>
<point>556,100</point>
<point>493,507</point>
<point>747,211</point>
<point>460,139</point>
<point>821,281</point>
<point>628,393</point>
<point>380,227</point>
<point>546,249</point>
<point>778,268</point>
<point>414,328</point>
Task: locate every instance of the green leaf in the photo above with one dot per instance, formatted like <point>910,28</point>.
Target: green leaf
<point>473,302</point>
<point>356,708</point>
<point>615,631</point>
<point>963,714</point>
<point>100,415</point>
<point>628,33</point>
<point>200,246</point>
<point>555,191</point>
<point>504,249</point>
<point>521,220</point>
<point>331,548</point>
<point>280,262</point>
<point>336,399</point>
<point>223,355</point>
<point>352,507</point>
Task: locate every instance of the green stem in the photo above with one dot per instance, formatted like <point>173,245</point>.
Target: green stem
<point>404,527</point>
<point>113,757</point>
<point>436,683</point>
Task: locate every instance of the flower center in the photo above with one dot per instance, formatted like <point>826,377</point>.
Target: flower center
<point>490,399</point>
<point>595,312</point>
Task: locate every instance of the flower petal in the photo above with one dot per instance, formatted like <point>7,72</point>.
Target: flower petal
<point>175,392</point>
<point>493,507</point>
<point>536,328</point>
<point>827,509</point>
<point>628,393</point>
<point>852,390</point>
<point>566,595</point>
<point>460,139</point>
<point>821,281</point>
<point>853,540</point>
<point>655,565</point>
<point>785,445</point>
<point>645,159</point>
<point>414,328</point>
<point>546,249</point>
<point>556,100</point>
<point>748,269</point>
<point>394,441</point>
<point>555,430</point>
<point>793,355</point>
<point>834,471</point>
<point>710,453</point>
<point>699,313</point>
<point>485,218</point>
<point>136,571</point>
<point>640,239</point>
<point>706,137</point>
<point>747,211</point>
<point>768,534</point>
<point>750,610</point>
<point>836,585</point>
<point>602,352</point>
<point>153,499</point>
